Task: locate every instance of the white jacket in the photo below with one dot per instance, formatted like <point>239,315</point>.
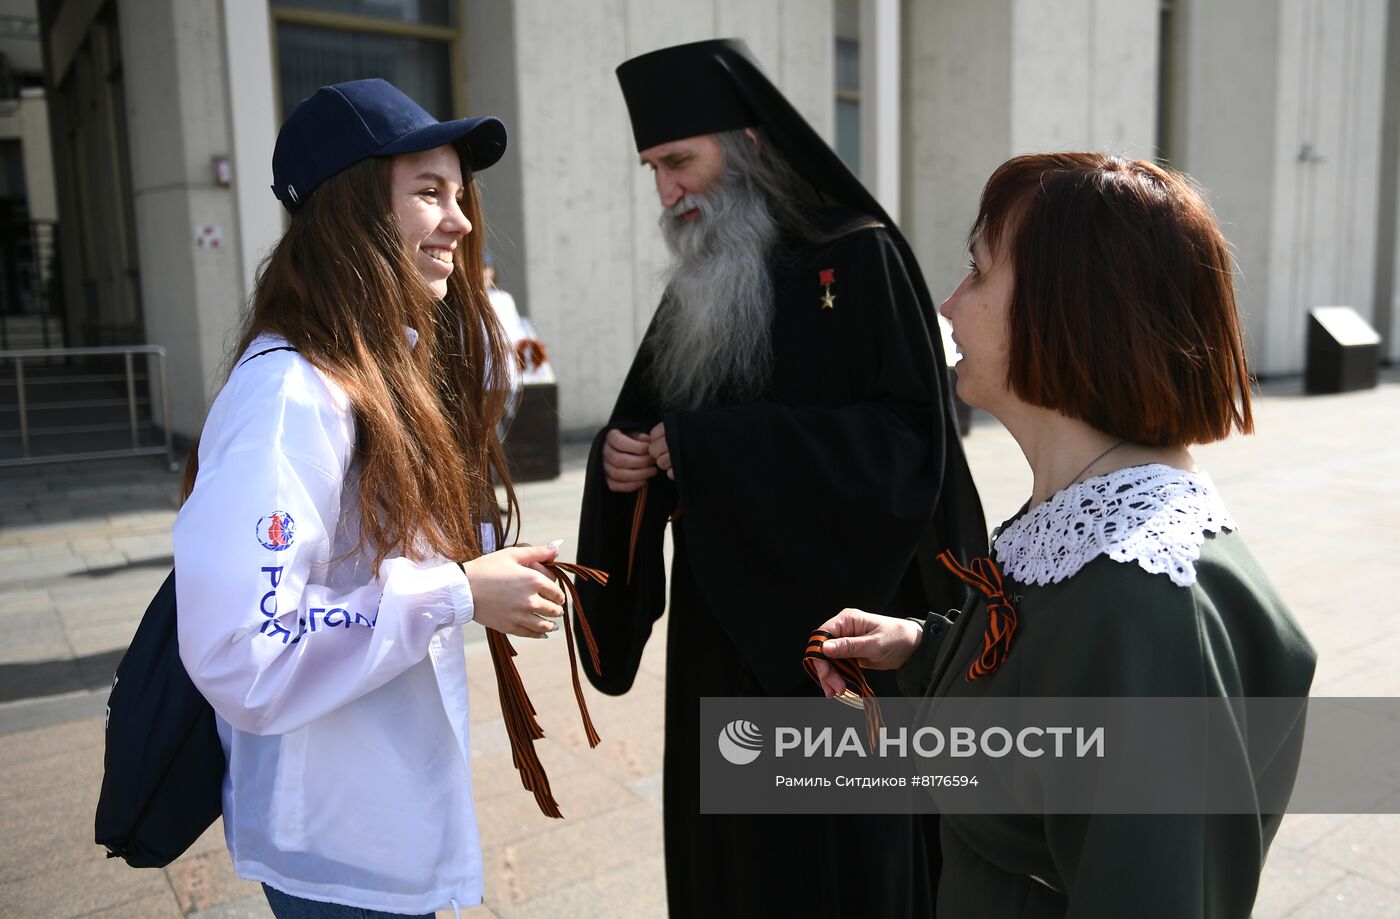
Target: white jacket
<point>341,692</point>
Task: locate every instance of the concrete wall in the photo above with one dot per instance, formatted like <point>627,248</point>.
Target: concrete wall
<point>491,49</point>
<point>588,210</point>
<point>1286,141</point>
<point>1222,129</point>
<point>177,122</point>
<point>1084,76</point>
<point>1326,157</point>
<point>957,125</point>
<point>988,80</point>
<point>253,124</point>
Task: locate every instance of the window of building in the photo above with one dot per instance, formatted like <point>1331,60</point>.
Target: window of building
<point>413,44</point>
<point>430,12</point>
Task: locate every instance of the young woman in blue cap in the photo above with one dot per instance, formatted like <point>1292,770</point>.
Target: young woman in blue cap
<point>341,517</point>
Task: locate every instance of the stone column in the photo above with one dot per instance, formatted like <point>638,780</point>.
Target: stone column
<point>988,79</point>
<point>177,121</point>
<point>253,119</point>
<point>880,108</point>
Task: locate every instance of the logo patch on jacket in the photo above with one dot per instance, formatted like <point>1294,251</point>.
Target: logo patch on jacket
<point>275,531</point>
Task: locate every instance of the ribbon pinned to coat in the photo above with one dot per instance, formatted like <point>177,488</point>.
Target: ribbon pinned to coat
<point>862,697</point>
<point>516,708</point>
<point>983,575</point>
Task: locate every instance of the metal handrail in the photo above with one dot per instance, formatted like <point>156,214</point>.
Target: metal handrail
<point>128,353</point>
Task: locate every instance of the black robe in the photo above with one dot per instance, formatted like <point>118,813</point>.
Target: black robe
<point>823,493</point>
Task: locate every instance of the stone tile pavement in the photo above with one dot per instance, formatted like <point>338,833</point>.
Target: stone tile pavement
<point>83,546</point>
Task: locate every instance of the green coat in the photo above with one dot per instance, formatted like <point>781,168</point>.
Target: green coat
<point>1112,629</point>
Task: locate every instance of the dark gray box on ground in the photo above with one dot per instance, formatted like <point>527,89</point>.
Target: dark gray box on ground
<point>1343,351</point>
<point>532,443</point>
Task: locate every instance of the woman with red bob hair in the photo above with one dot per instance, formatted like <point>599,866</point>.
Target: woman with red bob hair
<point>1097,322</point>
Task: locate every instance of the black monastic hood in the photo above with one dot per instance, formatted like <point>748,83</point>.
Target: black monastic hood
<point>706,87</point>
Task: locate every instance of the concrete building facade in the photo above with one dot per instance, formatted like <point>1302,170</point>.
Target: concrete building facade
<point>1295,140</point>
<point>1288,139</point>
<point>987,81</point>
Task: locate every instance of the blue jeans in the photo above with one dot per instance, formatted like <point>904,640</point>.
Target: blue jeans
<point>286,906</point>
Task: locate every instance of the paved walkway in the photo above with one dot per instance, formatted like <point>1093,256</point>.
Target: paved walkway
<point>83,547</point>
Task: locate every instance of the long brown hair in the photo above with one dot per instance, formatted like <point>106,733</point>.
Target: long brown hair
<point>1123,303</point>
<point>340,287</point>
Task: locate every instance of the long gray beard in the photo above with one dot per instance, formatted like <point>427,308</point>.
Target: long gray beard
<point>715,334</point>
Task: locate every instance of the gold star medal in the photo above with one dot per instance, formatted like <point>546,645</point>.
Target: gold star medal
<point>826,279</point>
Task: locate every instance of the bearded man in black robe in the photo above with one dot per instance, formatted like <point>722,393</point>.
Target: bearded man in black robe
<point>788,415</point>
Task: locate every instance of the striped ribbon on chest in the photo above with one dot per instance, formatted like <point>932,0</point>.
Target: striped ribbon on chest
<point>983,576</point>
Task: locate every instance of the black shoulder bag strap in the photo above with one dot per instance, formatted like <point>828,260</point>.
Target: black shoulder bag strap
<point>265,351</point>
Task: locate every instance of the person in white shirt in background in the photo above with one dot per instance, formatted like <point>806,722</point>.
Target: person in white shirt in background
<point>340,518</point>
<point>531,364</point>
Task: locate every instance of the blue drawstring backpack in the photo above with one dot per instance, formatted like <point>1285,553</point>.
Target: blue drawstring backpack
<point>164,766</point>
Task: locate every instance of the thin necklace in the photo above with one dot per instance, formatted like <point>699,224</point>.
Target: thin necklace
<point>1090,465</point>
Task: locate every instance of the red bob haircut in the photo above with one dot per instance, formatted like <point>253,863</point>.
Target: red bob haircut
<point>1123,303</point>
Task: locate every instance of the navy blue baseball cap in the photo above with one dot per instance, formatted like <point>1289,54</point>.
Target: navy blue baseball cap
<point>342,124</point>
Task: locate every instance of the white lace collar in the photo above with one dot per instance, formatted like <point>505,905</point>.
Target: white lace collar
<point>1156,516</point>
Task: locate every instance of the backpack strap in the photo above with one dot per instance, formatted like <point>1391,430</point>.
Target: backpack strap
<point>266,351</point>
